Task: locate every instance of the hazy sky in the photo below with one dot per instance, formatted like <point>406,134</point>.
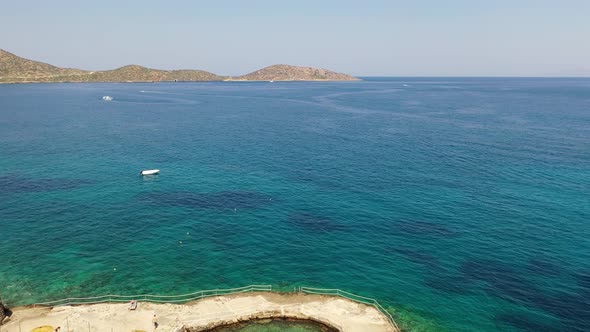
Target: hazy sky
<point>363,37</point>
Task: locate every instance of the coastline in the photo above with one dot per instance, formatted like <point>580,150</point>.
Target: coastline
<point>290,80</point>
<point>336,312</point>
<point>15,69</point>
<point>191,81</point>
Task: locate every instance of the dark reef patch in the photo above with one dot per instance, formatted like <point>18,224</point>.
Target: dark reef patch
<point>15,184</point>
<point>487,270</point>
<point>573,310</point>
<point>448,283</point>
<point>98,280</point>
<point>510,284</point>
<point>438,276</point>
<point>523,322</point>
<point>216,201</point>
<point>502,280</point>
<point>314,223</point>
<point>542,266</point>
<point>583,280</point>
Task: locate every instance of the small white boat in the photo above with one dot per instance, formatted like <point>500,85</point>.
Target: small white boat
<point>107,98</point>
<point>150,172</point>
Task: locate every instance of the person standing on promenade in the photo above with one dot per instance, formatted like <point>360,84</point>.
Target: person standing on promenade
<point>155,321</point>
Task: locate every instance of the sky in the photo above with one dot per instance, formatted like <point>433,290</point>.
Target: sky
<point>362,38</point>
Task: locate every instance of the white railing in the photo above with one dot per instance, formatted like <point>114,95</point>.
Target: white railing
<point>350,296</point>
<point>182,298</point>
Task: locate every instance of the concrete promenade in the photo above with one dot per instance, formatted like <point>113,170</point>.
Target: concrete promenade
<point>334,311</point>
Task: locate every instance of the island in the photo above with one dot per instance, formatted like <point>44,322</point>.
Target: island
<point>293,73</point>
<point>15,69</point>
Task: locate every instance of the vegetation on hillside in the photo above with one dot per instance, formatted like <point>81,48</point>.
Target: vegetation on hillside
<point>294,73</point>
<point>17,67</point>
<point>14,69</point>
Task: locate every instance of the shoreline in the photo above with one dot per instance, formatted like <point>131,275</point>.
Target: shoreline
<point>192,81</point>
<point>16,69</point>
<point>333,311</point>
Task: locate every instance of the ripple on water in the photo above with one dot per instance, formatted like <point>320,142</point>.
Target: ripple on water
<point>524,322</point>
<point>544,266</point>
<point>425,228</point>
<point>313,222</point>
<point>583,280</point>
<point>438,276</point>
<point>216,201</point>
<point>501,279</point>
<point>426,259</point>
<point>508,283</point>
<point>482,216</point>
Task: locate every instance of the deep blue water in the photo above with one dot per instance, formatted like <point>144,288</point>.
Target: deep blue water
<point>461,204</point>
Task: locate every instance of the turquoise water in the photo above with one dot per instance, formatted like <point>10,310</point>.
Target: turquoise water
<point>460,204</point>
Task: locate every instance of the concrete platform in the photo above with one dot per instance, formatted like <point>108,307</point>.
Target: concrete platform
<point>334,311</point>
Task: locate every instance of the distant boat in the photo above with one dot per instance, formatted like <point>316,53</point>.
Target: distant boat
<point>271,81</point>
<point>150,172</point>
<point>107,98</point>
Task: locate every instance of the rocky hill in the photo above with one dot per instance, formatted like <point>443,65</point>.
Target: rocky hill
<point>14,69</point>
<point>135,73</point>
<point>20,69</point>
<point>294,73</point>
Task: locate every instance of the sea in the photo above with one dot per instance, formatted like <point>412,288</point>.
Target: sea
<point>460,204</point>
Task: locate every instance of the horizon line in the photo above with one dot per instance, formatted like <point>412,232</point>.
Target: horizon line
<point>354,75</point>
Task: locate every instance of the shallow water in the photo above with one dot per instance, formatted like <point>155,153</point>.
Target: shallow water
<point>460,204</point>
<point>274,326</point>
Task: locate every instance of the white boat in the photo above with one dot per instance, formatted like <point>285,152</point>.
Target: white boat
<point>150,172</point>
<point>107,98</point>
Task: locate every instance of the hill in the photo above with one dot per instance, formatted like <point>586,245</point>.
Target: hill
<point>294,73</point>
<point>14,69</point>
<point>135,73</point>
<point>21,69</point>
